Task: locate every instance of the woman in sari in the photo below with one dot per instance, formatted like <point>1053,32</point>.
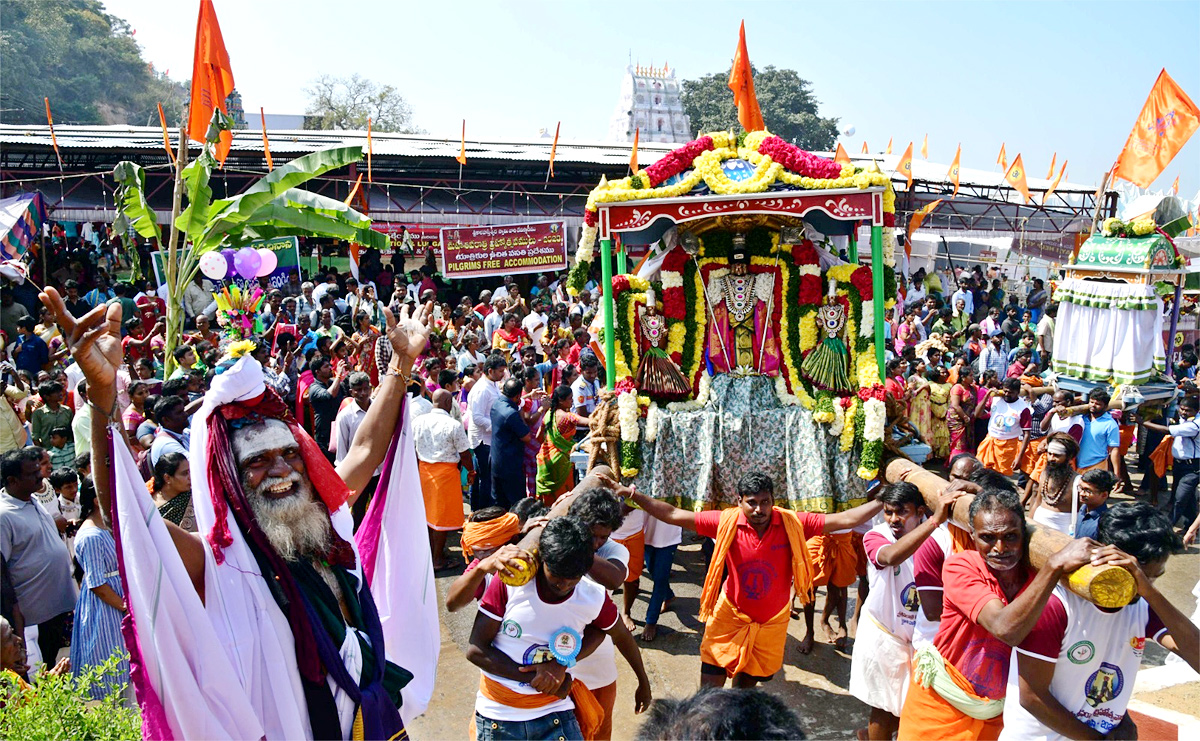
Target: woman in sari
<point>554,459</point>
<point>939,404</point>
<point>509,338</point>
<point>960,416</point>
<point>364,340</point>
<point>920,408</point>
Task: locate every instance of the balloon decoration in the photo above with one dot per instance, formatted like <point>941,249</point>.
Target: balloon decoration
<point>268,262</point>
<point>247,261</point>
<point>213,265</point>
<point>230,268</point>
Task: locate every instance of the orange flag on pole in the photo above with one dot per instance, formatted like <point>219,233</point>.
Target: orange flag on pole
<point>1016,177</point>
<point>864,148</point>
<point>1002,159</point>
<point>925,148</point>
<point>953,172</point>
<point>633,163</point>
<point>840,155</point>
<point>212,79</point>
<point>1166,122</point>
<point>889,147</point>
<point>162,119</point>
<point>1175,186</point>
<point>553,150</point>
<point>1054,185</point>
<point>905,166</point>
<point>266,145</point>
<point>1053,161</point>
<point>370,175</point>
<point>462,149</point>
<point>914,222</point>
<point>741,82</point>
<point>53,138</point>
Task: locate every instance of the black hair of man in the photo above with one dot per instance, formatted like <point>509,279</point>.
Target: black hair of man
<point>1099,478</point>
<point>26,323</point>
<point>717,714</point>
<point>1099,394</point>
<point>588,361</point>
<point>81,389</point>
<point>485,514</point>
<point>181,351</point>
<point>528,507</point>
<point>986,478</point>
<point>1140,530</point>
<point>995,499</point>
<point>513,387</point>
<point>62,476</point>
<point>597,505</point>
<point>175,387</point>
<point>566,548</point>
<point>900,494</point>
<point>1012,384</point>
<point>446,377</point>
<point>166,405</point>
<point>1191,402</point>
<point>318,363</point>
<point>13,462</point>
<point>755,482</point>
<point>83,461</point>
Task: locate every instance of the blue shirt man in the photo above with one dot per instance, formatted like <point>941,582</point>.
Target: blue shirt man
<point>31,351</point>
<point>1101,434</point>
<point>1087,524</point>
<point>510,432</point>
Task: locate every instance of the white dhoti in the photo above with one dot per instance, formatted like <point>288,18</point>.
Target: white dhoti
<point>879,667</point>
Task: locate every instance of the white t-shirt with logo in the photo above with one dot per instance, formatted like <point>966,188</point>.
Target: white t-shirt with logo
<point>1096,655</point>
<point>527,624</point>
<point>892,601</point>
<point>600,668</point>
<point>1009,421</point>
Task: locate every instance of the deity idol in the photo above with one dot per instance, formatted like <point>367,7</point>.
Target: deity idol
<point>657,374</point>
<point>741,337</point>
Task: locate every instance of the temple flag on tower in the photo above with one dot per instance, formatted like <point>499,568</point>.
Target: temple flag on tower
<point>1166,122</point>
<point>1053,162</point>
<point>633,164</point>
<point>864,148</point>
<point>905,166</point>
<point>462,147</point>
<point>1175,186</point>
<point>741,82</point>
<point>1016,177</point>
<point>889,147</point>
<point>840,155</point>
<point>1054,185</point>
<point>953,172</point>
<point>1002,158</point>
<point>925,147</point>
<point>212,79</point>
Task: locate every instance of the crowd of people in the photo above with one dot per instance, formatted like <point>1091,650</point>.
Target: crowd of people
<point>498,400</point>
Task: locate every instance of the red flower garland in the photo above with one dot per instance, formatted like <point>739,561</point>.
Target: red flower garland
<point>874,392</point>
<point>674,303</point>
<point>675,261</point>
<point>677,160</point>
<point>861,280</point>
<point>625,385</point>
<point>798,161</point>
<point>804,253</point>
<point>889,220</point>
<point>590,218</point>
<point>620,284</point>
<point>810,290</point>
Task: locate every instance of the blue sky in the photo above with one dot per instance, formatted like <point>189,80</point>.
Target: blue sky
<point>1042,77</point>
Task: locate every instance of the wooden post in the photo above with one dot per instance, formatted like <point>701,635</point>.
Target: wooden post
<point>1107,586</point>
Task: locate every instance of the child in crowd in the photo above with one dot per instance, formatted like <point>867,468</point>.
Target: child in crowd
<point>61,450</point>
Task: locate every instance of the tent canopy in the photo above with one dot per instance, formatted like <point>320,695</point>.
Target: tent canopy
<point>21,217</point>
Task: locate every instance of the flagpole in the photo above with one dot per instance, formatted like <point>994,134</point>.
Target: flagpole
<point>174,290</point>
<point>1100,196</point>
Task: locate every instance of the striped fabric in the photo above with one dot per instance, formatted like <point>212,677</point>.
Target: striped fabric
<point>96,635</point>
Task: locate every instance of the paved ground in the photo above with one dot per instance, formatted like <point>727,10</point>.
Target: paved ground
<point>814,685</point>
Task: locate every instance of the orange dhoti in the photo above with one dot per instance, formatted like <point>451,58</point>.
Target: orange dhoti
<point>927,714</point>
<point>860,554</point>
<point>441,486</point>
<point>739,645</point>
<point>636,545</point>
<point>1001,455</point>
<point>834,559</point>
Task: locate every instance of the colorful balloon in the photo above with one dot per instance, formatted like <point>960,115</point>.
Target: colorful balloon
<point>213,265</point>
<point>230,268</point>
<point>269,262</point>
<point>247,261</point>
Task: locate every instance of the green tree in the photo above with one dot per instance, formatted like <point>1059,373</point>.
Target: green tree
<point>85,60</point>
<point>346,103</point>
<point>788,105</point>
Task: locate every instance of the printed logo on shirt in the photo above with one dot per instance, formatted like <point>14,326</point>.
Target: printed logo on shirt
<point>537,655</point>
<point>511,628</point>
<point>1138,644</point>
<point>756,578</point>
<point>1104,685</point>
<point>909,597</point>
<point>1081,653</point>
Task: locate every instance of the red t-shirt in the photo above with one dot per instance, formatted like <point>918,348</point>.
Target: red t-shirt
<point>927,565</point>
<point>963,642</point>
<point>134,353</point>
<point>759,581</point>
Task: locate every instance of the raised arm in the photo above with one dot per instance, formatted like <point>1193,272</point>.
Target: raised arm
<point>408,336</point>
<point>664,512</point>
<point>903,549</point>
<point>852,518</point>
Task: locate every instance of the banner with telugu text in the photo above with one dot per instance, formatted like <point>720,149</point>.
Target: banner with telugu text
<point>504,249</point>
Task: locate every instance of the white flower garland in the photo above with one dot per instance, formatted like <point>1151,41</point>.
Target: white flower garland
<point>587,244</point>
<point>652,422</point>
<point>867,327</point>
<point>889,246</point>
<point>627,414</point>
<point>700,401</point>
<point>671,279</point>
<point>839,419</point>
<point>786,398</point>
<point>875,414</point>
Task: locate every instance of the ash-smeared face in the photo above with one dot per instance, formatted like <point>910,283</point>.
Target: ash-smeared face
<point>278,490</point>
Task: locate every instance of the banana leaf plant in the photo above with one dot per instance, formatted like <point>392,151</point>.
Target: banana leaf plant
<point>274,206</point>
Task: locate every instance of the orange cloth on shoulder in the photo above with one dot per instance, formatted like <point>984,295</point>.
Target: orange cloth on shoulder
<point>739,645</point>
<point>490,534</point>
<point>834,559</point>
<point>587,709</point>
<point>1162,457</point>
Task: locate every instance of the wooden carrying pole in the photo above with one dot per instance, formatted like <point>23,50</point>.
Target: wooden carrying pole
<point>1106,586</point>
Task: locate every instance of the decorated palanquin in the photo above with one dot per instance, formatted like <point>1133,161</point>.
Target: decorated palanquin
<point>750,338</point>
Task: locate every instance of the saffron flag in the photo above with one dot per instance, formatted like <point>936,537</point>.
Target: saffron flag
<point>267,145</point>
<point>889,147</point>
<point>953,172</point>
<point>1166,122</point>
<point>925,147</point>
<point>1054,185</point>
<point>905,166</point>
<point>212,79</point>
<point>53,138</point>
<point>840,156</point>
<point>864,148</point>
<point>1175,186</point>
<point>914,222</point>
<point>162,119</point>
<point>1053,161</point>
<point>1002,159</point>
<point>462,149</point>
<point>1016,177</point>
<point>741,82</point>
<point>554,150</point>
<point>370,175</point>
<point>633,163</point>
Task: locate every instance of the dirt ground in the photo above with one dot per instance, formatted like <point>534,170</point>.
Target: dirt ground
<point>813,685</point>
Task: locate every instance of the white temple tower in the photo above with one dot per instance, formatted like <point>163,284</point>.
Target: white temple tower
<point>650,101</point>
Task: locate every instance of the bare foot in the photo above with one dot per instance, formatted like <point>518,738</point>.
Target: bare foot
<point>830,635</point>
<point>806,645</point>
<point>628,620</point>
<point>649,633</point>
<point>668,605</point>
<point>840,642</point>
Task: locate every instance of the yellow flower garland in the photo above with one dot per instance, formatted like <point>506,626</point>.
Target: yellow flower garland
<point>846,441</point>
